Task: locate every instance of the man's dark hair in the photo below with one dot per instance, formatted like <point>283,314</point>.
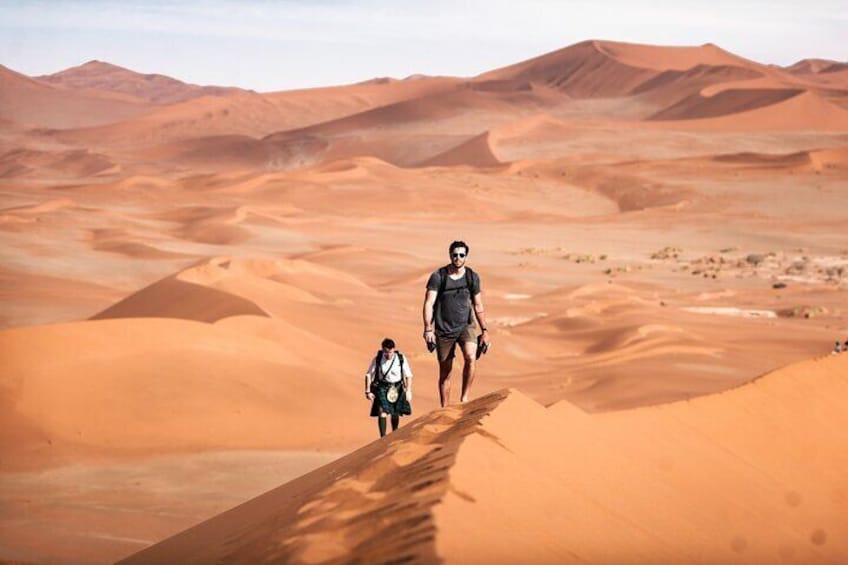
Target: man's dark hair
<point>456,244</point>
<point>388,343</point>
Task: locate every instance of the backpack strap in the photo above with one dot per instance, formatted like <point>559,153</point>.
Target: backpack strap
<point>469,282</point>
<point>400,356</point>
<point>443,280</point>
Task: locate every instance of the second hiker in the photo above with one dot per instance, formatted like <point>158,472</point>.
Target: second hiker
<point>388,385</point>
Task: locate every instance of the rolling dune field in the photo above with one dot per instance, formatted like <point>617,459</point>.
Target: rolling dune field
<point>194,280</point>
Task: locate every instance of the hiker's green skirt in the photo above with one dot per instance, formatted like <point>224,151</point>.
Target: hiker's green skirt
<point>400,407</point>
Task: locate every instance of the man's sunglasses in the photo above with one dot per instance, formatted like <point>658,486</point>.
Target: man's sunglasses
<point>455,255</point>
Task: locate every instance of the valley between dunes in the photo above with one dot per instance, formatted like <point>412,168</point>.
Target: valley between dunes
<point>194,280</point>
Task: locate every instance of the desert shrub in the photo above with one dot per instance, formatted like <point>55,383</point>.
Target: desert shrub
<point>755,259</point>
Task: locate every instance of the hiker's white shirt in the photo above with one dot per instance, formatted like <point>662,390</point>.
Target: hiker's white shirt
<point>391,369</point>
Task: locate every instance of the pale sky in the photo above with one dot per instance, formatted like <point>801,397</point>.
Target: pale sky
<point>277,45</point>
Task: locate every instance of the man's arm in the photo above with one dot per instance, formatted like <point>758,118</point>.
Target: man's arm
<point>369,377</point>
<point>407,380</point>
<point>480,312</point>
<point>429,302</point>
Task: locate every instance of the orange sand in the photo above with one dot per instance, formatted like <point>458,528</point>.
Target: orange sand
<point>195,275</point>
<point>502,479</point>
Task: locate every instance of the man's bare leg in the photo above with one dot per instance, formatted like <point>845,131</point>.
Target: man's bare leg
<point>381,423</point>
<point>469,352</point>
<point>444,381</point>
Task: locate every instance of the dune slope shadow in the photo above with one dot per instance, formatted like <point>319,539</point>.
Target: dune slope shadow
<point>174,298</point>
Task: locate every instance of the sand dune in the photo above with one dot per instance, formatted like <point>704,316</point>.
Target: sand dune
<point>605,68</point>
<point>222,287</point>
<point>71,163</point>
<point>816,66</point>
<point>628,192</point>
<point>173,298</point>
<point>391,132</point>
<point>239,151</point>
<point>824,159</point>
<point>779,110</point>
<point>456,470</point>
<point>666,57</point>
<point>159,89</point>
<point>476,152</point>
<point>583,70</point>
<point>29,102</point>
<point>206,280</point>
<point>670,89</point>
<point>252,114</point>
<point>431,107</point>
<point>19,218</point>
<point>814,160</point>
<point>23,291</point>
<point>42,208</point>
<point>182,386</point>
<point>724,103</point>
<point>214,225</point>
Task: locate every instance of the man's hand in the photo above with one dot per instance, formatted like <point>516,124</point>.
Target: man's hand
<point>409,393</point>
<point>429,336</point>
<point>485,338</point>
<point>369,395</point>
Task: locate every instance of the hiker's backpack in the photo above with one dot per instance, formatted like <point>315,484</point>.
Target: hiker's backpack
<point>378,369</point>
<point>469,284</point>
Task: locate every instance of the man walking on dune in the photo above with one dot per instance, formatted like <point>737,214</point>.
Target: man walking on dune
<point>452,301</point>
<point>388,385</point>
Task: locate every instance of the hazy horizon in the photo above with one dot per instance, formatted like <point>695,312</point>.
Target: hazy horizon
<point>268,46</point>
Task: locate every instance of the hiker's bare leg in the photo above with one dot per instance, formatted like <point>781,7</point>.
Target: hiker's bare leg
<point>444,381</point>
<point>381,423</point>
<point>469,352</point>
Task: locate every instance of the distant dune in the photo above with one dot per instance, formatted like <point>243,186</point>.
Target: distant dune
<point>106,77</point>
<point>73,163</point>
<point>594,69</point>
<point>252,114</point>
<point>476,152</point>
<point>724,103</point>
<point>32,103</point>
<point>753,110</point>
<point>816,66</point>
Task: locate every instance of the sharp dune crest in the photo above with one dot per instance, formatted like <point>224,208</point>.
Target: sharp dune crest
<point>441,487</point>
<point>754,110</point>
<point>476,152</point>
<point>223,287</point>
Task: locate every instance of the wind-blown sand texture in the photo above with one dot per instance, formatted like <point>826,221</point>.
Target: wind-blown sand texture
<point>194,279</point>
<point>502,479</point>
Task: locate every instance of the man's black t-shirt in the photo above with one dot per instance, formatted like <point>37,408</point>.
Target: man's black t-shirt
<point>453,311</point>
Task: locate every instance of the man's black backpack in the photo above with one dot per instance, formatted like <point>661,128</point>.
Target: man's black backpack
<point>469,281</point>
<point>469,284</point>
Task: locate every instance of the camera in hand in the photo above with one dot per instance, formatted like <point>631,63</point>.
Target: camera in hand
<point>482,348</point>
<point>431,346</point>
